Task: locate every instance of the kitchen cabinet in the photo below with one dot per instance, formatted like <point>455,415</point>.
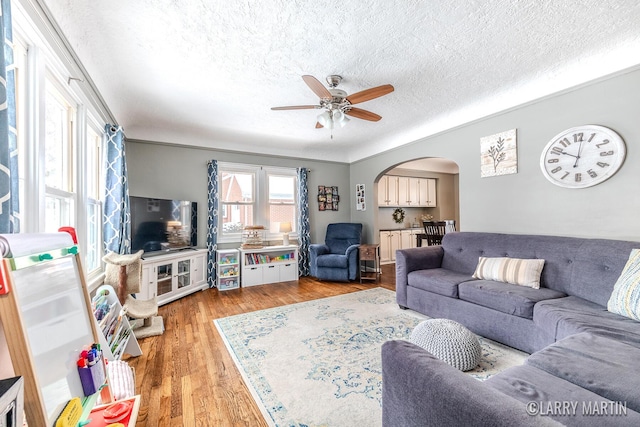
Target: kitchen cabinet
<point>425,192</point>
<point>388,191</point>
<point>392,240</point>
<point>389,244</point>
<point>406,191</point>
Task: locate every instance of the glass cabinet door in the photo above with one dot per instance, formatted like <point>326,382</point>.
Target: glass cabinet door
<point>184,273</point>
<point>164,278</point>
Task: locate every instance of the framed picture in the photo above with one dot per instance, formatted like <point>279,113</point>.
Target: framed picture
<point>360,204</point>
<point>328,198</point>
<point>499,154</point>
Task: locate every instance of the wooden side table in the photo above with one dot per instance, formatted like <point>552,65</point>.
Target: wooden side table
<point>369,253</point>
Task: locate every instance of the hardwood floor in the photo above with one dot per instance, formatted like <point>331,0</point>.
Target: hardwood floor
<point>186,376</point>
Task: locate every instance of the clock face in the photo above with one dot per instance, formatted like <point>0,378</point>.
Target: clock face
<point>582,156</point>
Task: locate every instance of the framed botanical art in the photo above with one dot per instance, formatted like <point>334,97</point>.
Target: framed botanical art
<point>499,154</point>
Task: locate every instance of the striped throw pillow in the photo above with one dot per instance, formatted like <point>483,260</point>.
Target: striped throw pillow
<point>625,298</point>
<point>524,272</point>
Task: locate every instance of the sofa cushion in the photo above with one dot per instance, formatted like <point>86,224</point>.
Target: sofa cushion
<point>625,298</point>
<point>572,315</point>
<point>602,365</point>
<point>517,271</point>
<point>332,261</point>
<point>530,384</point>
<point>587,268</point>
<point>437,280</point>
<point>503,297</point>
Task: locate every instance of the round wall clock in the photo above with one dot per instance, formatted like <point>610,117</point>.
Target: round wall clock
<point>582,156</point>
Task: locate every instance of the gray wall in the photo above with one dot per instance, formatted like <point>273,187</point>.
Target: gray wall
<point>178,172</point>
<point>526,203</point>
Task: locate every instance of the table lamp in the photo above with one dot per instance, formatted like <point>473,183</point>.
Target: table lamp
<point>285,229</point>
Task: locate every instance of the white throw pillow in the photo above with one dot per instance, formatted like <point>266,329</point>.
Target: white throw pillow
<point>523,272</point>
<point>625,298</point>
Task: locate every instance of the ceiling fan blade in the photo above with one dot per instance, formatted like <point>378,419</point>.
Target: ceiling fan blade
<point>297,107</point>
<point>368,94</point>
<point>318,125</point>
<point>363,114</point>
<point>317,87</point>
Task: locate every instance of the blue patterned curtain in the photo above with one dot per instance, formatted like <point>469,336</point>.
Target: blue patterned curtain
<point>304,234</point>
<point>117,214</point>
<point>212,221</point>
<point>9,190</point>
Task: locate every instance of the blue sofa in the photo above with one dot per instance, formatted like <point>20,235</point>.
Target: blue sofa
<point>581,352</point>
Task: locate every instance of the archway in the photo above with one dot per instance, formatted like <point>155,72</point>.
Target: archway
<point>421,189</point>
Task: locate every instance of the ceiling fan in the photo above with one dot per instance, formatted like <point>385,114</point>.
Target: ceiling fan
<point>337,104</point>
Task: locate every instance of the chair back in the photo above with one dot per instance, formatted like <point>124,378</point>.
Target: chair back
<point>342,235</point>
<point>434,231</point>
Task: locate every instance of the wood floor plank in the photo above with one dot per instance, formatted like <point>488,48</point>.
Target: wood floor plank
<point>186,377</point>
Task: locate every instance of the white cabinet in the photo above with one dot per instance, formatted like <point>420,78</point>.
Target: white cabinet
<point>404,194</point>
<point>426,192</point>
<point>269,264</point>
<point>389,244</point>
<point>199,268</point>
<point>228,269</point>
<point>408,238</point>
<point>406,191</point>
<point>388,191</point>
<point>392,240</point>
<point>173,276</point>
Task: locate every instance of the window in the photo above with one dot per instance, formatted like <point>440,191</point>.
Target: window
<point>93,243</point>
<point>282,201</point>
<point>253,195</point>
<point>58,166</point>
<point>20,59</point>
<point>237,200</point>
<point>59,127</point>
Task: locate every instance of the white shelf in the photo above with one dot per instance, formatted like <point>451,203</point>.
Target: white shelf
<point>269,264</point>
<point>228,269</point>
<point>117,336</point>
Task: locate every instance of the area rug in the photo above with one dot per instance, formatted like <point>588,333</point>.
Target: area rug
<point>317,363</point>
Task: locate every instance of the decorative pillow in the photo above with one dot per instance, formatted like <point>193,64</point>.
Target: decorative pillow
<point>524,272</point>
<point>625,298</point>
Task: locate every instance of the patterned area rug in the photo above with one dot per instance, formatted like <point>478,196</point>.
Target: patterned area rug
<point>317,363</point>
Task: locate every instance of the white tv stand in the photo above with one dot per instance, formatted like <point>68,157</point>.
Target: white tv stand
<point>269,264</point>
<point>173,275</point>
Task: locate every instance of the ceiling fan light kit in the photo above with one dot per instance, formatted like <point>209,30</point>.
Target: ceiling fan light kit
<point>337,104</point>
<point>330,118</point>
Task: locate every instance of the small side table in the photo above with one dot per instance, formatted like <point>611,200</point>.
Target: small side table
<point>369,253</point>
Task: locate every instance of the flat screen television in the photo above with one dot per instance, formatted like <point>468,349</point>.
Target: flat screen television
<point>160,225</point>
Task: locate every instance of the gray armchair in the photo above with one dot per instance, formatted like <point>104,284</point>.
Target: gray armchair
<point>337,259</point>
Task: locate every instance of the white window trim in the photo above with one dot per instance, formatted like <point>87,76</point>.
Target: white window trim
<point>47,53</point>
<point>261,197</point>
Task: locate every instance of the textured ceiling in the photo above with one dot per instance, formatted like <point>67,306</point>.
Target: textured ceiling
<point>206,73</point>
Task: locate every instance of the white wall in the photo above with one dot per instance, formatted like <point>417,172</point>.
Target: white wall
<point>526,202</point>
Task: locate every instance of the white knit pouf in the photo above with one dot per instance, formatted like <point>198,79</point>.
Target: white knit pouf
<point>449,341</point>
